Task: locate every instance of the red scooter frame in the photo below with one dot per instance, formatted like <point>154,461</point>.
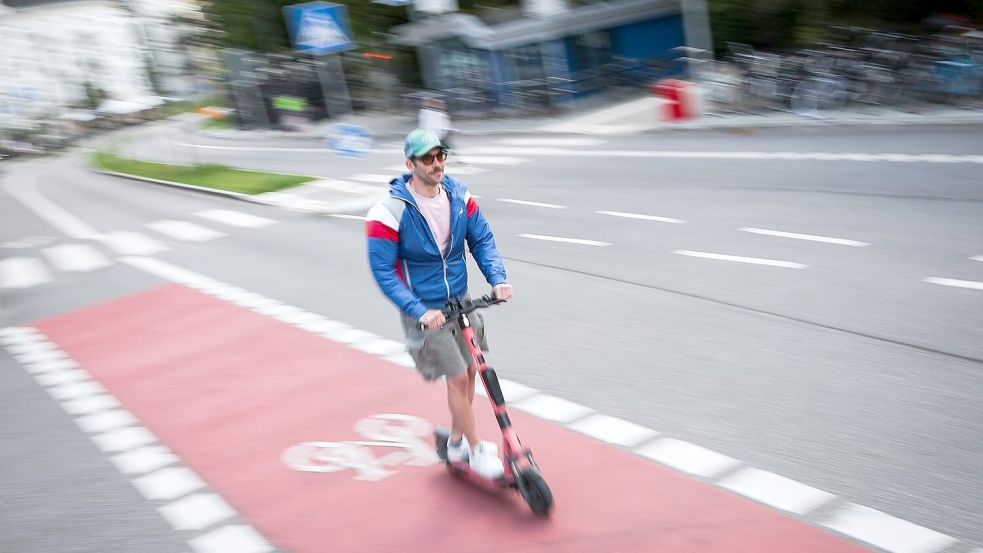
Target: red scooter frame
<point>521,471</point>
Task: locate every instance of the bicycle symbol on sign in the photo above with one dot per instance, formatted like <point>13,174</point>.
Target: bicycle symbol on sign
<point>406,436</point>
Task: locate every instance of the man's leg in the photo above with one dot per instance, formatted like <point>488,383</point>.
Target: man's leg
<point>460,393</point>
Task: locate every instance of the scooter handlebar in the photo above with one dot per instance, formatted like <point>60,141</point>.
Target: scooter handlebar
<point>455,308</point>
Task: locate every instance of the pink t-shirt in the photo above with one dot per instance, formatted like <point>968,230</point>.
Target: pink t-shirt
<point>437,212</point>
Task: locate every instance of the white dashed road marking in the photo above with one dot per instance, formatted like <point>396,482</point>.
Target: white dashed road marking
<point>76,257</point>
<point>640,216</point>
<point>775,490</point>
<point>971,284</point>
<point>236,218</point>
<point>739,259</point>
<point>613,430</point>
<point>548,141</point>
<point>377,179</point>
<point>813,238</point>
<point>533,204</point>
<point>562,239</point>
<point>553,408</point>
<point>887,532</point>
<point>977,258</point>
<point>22,272</point>
<point>687,457</point>
<point>133,243</point>
<point>183,230</point>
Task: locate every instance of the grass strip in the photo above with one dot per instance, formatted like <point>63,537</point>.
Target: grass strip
<point>210,175</point>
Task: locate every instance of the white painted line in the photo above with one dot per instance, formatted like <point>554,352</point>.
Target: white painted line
<point>754,260</point>
<point>671,154</point>
<point>236,218</point>
<point>50,366</point>
<point>36,352</point>
<point>124,439</point>
<point>513,391</point>
<point>350,336</point>
<point>105,421</point>
<point>547,141</point>
<point>567,240</point>
<point>76,390</point>
<point>22,272</point>
<point>90,404</point>
<point>971,284</point>
<point>196,511</point>
<point>322,325</point>
<point>613,430</point>
<point>374,178</point>
<point>238,538</point>
<point>25,191</point>
<point>977,258</point>
<point>143,460</point>
<point>687,457</point>
<point>168,483</point>
<point>291,315</point>
<point>886,532</point>
<point>56,378</point>
<point>78,258</point>
<point>183,230</point>
<point>134,243</point>
<point>163,270</point>
<point>826,239</point>
<point>777,491</point>
<point>534,204</point>
<point>249,148</point>
<point>380,347</point>
<point>15,334</point>
<point>553,408</point>
<point>402,359</point>
<point>640,216</point>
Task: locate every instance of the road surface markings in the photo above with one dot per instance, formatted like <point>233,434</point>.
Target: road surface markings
<point>971,284</point>
<point>76,257</point>
<point>977,258</point>
<point>688,458</point>
<point>133,243</point>
<point>490,160</point>
<point>553,408</point>
<point>776,491</point>
<point>737,156</point>
<point>184,230</point>
<point>533,204</point>
<point>613,430</point>
<point>22,272</point>
<point>236,218</point>
<point>739,259</point>
<point>548,141</point>
<point>760,485</point>
<point>567,240</point>
<point>640,216</point>
<point>887,532</point>
<point>157,472</point>
<point>811,237</point>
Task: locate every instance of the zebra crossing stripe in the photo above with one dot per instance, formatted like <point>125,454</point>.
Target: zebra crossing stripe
<point>76,257</point>
<point>184,230</point>
<point>22,272</point>
<point>236,218</point>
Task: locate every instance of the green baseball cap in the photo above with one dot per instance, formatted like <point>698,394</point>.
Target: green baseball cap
<point>419,142</point>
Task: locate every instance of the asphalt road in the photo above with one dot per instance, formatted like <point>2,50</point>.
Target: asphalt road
<point>836,364</point>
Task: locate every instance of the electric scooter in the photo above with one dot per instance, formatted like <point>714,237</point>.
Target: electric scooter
<point>521,471</point>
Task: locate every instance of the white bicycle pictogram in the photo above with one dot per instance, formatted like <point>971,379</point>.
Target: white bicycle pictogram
<point>405,435</point>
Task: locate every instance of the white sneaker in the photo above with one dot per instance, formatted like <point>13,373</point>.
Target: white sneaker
<point>486,462</point>
<point>458,453</point>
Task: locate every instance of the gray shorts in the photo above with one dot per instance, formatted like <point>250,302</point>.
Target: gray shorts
<point>441,352</point>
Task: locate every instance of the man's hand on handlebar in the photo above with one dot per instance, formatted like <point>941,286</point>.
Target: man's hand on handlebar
<point>502,291</point>
<point>433,319</point>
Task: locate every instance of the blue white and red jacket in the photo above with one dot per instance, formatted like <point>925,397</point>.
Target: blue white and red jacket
<point>405,259</point>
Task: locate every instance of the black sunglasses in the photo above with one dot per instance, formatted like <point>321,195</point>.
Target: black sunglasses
<point>428,157</point>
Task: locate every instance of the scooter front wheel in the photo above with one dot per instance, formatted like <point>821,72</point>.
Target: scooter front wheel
<point>535,492</point>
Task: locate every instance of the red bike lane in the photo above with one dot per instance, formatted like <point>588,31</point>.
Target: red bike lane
<point>245,400</point>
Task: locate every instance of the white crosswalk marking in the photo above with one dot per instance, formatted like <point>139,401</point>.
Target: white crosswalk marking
<point>22,272</point>
<point>134,243</point>
<point>183,230</point>
<point>76,257</point>
<point>550,141</point>
<point>236,218</point>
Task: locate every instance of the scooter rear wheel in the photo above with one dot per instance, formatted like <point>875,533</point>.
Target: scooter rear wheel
<point>535,492</point>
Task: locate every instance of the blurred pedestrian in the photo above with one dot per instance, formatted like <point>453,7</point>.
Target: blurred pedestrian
<point>416,245</point>
<point>433,116</point>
